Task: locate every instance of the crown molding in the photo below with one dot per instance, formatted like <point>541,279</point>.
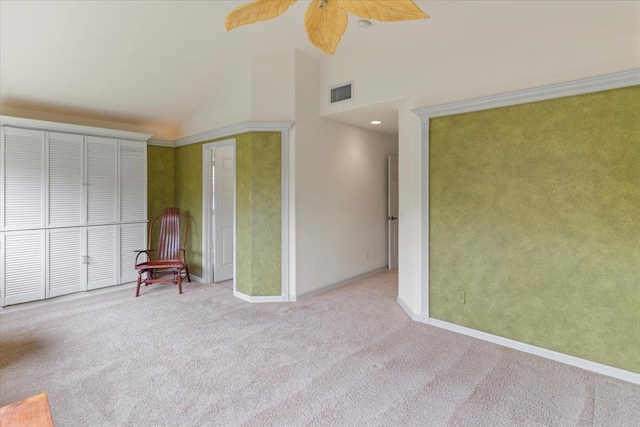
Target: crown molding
<point>160,143</point>
<point>576,87</point>
<point>20,122</point>
<point>233,130</point>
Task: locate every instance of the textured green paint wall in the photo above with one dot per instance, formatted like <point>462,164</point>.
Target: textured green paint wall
<point>535,215</point>
<point>258,209</point>
<point>161,180</point>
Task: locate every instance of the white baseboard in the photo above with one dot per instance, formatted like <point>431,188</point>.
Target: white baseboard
<point>588,365</point>
<point>195,278</point>
<point>334,285</point>
<point>251,299</point>
<point>414,316</point>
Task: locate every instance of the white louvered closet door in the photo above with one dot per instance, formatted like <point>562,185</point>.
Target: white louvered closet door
<point>101,180</point>
<point>23,266</point>
<point>101,256</point>
<point>22,155</point>
<point>133,181</point>
<point>65,272</point>
<point>132,238</point>
<point>65,178</point>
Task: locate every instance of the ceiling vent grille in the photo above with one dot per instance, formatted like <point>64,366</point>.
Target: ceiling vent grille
<point>342,92</point>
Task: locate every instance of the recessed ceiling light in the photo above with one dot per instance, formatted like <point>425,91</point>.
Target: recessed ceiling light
<point>363,23</point>
<point>376,122</point>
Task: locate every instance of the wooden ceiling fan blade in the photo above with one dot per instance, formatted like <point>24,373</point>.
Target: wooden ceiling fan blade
<point>384,10</point>
<point>258,11</point>
<point>325,26</point>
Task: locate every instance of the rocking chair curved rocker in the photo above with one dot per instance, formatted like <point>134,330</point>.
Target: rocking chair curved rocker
<point>170,253</point>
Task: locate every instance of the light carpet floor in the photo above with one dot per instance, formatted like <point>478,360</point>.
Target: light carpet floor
<point>349,356</point>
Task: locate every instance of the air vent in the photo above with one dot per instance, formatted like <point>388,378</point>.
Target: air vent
<point>341,93</point>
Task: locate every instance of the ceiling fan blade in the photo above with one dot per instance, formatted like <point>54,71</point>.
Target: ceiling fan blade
<point>325,26</point>
<point>384,10</point>
<point>258,11</point>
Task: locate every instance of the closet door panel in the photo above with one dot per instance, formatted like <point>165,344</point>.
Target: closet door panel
<point>101,256</point>
<point>64,265</point>
<point>23,269</point>
<point>23,178</point>
<point>65,178</point>
<point>101,180</point>
<point>133,181</point>
<point>132,238</point>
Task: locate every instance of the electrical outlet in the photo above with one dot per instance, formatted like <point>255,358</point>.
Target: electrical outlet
<point>366,253</point>
<point>461,297</point>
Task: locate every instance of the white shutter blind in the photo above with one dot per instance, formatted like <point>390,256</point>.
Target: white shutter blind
<point>65,261</point>
<point>101,249</point>
<point>101,180</point>
<point>65,179</point>
<point>23,178</point>
<point>132,238</point>
<point>133,181</point>
<point>23,266</point>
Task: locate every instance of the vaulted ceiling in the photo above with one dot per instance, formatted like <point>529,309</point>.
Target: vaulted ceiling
<point>158,61</point>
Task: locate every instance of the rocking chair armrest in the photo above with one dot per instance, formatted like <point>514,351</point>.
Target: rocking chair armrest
<point>145,251</point>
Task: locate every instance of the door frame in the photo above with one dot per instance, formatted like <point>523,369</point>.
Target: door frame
<point>207,225</point>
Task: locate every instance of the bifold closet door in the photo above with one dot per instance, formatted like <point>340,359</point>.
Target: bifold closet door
<point>23,177</point>
<point>65,272</point>
<point>65,179</point>
<point>101,256</point>
<point>132,238</point>
<point>23,266</point>
<point>102,168</point>
<point>133,181</point>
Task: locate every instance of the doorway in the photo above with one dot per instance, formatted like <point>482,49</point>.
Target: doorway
<point>218,211</point>
<point>392,211</point>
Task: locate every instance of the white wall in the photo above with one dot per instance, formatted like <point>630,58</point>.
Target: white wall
<point>340,191</point>
<point>273,87</point>
<point>410,261</point>
<point>230,104</point>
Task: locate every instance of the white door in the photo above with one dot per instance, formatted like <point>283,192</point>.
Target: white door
<point>224,194</point>
<point>65,272</point>
<point>133,181</point>
<point>23,179</point>
<point>132,239</point>
<point>101,180</point>
<point>65,178</point>
<point>101,256</point>
<point>392,211</point>
<point>23,266</point>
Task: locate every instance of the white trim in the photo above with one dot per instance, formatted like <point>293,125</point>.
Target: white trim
<point>576,87</point>
<point>284,214</point>
<point>578,362</point>
<point>160,143</point>
<point>335,284</point>
<point>424,183</point>
<point>69,128</point>
<point>250,299</point>
<point>233,130</point>
<point>542,352</point>
<point>195,278</point>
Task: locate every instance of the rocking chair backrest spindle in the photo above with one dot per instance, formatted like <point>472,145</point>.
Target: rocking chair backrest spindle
<point>169,244</point>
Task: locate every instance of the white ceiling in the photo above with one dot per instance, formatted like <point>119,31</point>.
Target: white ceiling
<point>158,61</point>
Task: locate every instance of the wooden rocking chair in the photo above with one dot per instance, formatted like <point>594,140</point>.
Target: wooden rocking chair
<point>170,254</point>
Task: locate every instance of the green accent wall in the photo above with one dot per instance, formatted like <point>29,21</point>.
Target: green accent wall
<point>535,215</point>
<point>161,180</point>
<point>258,209</point>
